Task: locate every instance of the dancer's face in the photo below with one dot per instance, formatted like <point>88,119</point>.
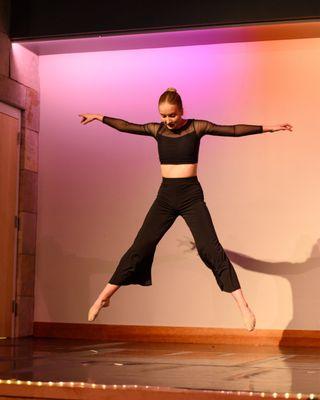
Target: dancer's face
<point>170,115</point>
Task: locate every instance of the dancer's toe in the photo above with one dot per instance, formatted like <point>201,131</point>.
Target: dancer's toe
<point>94,310</point>
<point>249,319</point>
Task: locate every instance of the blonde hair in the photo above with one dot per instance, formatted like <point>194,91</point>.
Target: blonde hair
<point>171,96</point>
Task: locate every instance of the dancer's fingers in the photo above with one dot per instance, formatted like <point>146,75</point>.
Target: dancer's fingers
<point>85,118</point>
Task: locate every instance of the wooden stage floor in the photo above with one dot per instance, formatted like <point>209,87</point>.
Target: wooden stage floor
<point>81,369</point>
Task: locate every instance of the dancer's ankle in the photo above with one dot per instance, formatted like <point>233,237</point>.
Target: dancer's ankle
<point>244,307</point>
<point>102,299</point>
<point>249,319</point>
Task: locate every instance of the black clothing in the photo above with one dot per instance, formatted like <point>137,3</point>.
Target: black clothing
<point>181,146</point>
<point>176,196</point>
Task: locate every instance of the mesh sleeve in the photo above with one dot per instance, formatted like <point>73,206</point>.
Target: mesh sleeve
<point>203,127</point>
<point>149,129</point>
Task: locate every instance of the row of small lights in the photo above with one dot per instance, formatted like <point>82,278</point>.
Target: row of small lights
<point>275,395</point>
<point>68,384</point>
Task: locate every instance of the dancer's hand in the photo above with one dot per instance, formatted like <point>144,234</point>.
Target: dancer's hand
<point>86,118</point>
<point>281,127</point>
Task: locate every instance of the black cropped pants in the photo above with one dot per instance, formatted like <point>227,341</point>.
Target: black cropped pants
<point>176,196</point>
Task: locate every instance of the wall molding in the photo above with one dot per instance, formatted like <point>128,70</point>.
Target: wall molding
<point>139,333</point>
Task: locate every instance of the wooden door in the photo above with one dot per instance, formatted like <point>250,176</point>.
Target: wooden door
<point>9,176</point>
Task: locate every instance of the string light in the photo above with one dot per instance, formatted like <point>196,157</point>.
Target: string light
<point>275,395</point>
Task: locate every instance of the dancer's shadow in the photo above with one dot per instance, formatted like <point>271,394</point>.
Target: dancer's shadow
<point>302,276</point>
<point>67,285</point>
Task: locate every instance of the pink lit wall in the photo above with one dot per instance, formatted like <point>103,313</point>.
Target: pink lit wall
<point>97,184</point>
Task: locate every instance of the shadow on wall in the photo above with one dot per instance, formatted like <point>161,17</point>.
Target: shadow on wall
<point>81,279</point>
<point>301,276</point>
<point>78,278</point>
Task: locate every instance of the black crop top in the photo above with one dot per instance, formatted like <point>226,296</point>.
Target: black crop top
<point>181,146</point>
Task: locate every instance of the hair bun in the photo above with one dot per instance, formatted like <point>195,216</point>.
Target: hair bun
<point>171,89</point>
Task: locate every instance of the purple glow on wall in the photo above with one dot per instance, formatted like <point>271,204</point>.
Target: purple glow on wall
<point>96,184</point>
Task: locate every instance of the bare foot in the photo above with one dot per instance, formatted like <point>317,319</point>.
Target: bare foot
<point>94,310</point>
<point>249,319</point>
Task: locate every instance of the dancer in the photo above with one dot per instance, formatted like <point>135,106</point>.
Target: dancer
<point>180,193</point>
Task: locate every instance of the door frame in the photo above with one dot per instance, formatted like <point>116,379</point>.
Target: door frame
<point>15,113</point>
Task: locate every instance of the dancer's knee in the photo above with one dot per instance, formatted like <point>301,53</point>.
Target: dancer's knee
<point>213,256</point>
<point>145,245</point>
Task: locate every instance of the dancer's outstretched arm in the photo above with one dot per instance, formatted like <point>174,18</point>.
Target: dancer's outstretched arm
<point>149,129</point>
<point>204,127</point>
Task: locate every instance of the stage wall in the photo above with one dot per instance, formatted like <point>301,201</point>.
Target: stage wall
<point>97,184</point>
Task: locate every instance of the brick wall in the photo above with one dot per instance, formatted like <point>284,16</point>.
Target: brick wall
<point>19,87</point>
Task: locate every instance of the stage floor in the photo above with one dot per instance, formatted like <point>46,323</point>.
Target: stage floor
<point>224,370</point>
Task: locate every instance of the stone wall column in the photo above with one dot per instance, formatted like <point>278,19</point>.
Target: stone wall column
<point>19,87</point>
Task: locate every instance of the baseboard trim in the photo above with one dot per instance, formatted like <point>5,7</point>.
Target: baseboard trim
<point>134,333</point>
